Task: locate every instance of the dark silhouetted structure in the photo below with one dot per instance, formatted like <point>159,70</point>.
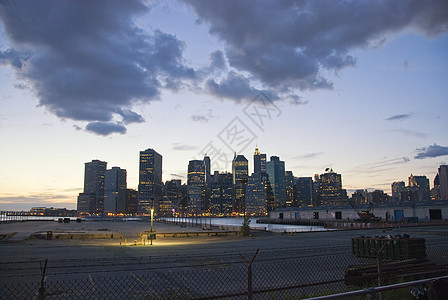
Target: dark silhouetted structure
<point>115,191</point>
<point>240,173</point>
<point>91,201</point>
<point>150,181</point>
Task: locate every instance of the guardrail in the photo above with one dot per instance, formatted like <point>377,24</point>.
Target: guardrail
<point>373,291</point>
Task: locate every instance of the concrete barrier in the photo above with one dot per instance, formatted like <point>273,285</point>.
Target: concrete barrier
<point>77,235</point>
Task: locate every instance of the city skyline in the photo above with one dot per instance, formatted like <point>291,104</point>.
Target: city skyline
<point>223,193</point>
<point>151,160</point>
<point>363,93</point>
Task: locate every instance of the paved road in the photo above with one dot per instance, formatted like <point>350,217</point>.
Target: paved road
<point>189,264</point>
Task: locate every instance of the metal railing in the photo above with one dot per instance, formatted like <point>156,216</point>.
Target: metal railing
<point>373,291</point>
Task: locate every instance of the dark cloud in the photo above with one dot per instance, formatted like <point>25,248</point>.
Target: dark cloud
<point>204,116</point>
<point>308,155</point>
<point>379,166</point>
<point>398,117</point>
<point>105,128</point>
<point>408,132</point>
<point>88,61</point>
<point>291,44</point>
<point>296,100</point>
<point>183,147</point>
<point>130,116</point>
<point>431,151</point>
<point>217,60</point>
<point>20,86</point>
<point>235,87</point>
<point>13,58</point>
<point>199,118</point>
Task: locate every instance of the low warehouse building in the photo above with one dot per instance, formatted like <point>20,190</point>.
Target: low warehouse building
<point>389,212</point>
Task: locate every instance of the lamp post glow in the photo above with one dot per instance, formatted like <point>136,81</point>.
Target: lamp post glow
<point>150,233</point>
<point>152,215</point>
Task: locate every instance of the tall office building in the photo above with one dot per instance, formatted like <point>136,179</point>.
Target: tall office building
<point>240,173</point>
<point>259,162</point>
<point>420,184</point>
<point>360,197</point>
<point>304,191</point>
<point>165,206</point>
<point>270,199</point>
<point>196,186</point>
<point>150,181</point>
<point>131,201</point>
<point>208,177</point>
<point>316,190</point>
<point>397,188</point>
<point>443,182</point>
<point>115,190</point>
<point>435,191</point>
<point>207,165</point>
<point>377,196</point>
<point>221,202</point>
<point>289,188</point>
<point>92,199</point>
<point>173,190</point>
<point>255,197</point>
<point>85,203</point>
<point>331,191</point>
<point>410,195</point>
<point>275,169</point>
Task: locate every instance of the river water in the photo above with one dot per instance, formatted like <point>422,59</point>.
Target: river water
<point>231,222</point>
<point>205,221</point>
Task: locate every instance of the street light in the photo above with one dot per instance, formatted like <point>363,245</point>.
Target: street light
<point>151,236</point>
<point>152,215</point>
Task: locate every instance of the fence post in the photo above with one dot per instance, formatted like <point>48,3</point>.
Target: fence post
<point>42,279</point>
<point>379,266</point>
<point>249,274</point>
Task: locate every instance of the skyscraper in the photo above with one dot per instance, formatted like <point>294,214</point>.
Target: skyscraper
<point>196,186</point>
<point>316,190</point>
<point>275,169</point>
<point>435,191</point>
<point>378,196</point>
<point>173,190</point>
<point>115,190</point>
<point>92,199</point>
<point>222,194</point>
<point>240,173</point>
<point>255,197</point>
<point>85,203</point>
<point>131,201</point>
<point>397,188</point>
<point>289,188</point>
<point>360,197</point>
<point>409,195</point>
<point>304,191</point>
<point>150,181</point>
<point>259,162</point>
<point>420,184</point>
<point>331,191</point>
<point>443,181</point>
<point>208,177</point>
<point>270,199</point>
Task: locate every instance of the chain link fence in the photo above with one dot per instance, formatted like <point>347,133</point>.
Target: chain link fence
<point>279,274</point>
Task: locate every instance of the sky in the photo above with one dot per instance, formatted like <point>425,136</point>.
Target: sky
<point>358,86</point>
